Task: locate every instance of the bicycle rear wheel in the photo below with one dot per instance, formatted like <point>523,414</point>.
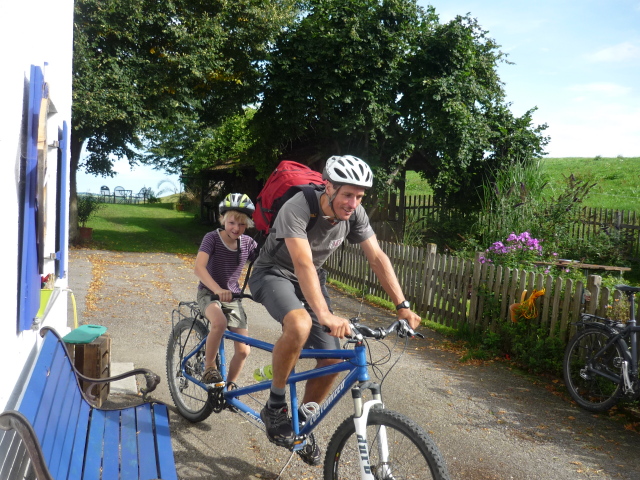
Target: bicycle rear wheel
<point>590,390</point>
<point>412,453</point>
<point>191,400</point>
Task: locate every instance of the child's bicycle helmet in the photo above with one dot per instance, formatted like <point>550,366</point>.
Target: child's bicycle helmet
<point>238,202</point>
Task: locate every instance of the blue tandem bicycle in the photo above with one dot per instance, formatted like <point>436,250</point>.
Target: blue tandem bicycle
<point>373,444</point>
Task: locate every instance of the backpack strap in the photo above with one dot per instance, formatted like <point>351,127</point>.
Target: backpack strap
<point>309,192</point>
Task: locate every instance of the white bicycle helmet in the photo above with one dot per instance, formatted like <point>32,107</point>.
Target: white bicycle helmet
<point>237,201</point>
<point>348,170</point>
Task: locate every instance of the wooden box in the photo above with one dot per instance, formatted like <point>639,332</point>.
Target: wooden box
<point>93,360</point>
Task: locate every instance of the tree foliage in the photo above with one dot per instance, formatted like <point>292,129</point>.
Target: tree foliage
<point>146,72</point>
<point>386,81</point>
<point>175,84</point>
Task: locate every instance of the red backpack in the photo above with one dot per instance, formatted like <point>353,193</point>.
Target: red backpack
<point>284,182</point>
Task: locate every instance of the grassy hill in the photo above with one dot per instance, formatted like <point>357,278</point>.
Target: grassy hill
<point>617,180</point>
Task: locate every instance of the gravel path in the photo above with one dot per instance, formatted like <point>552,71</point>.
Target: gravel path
<point>488,421</point>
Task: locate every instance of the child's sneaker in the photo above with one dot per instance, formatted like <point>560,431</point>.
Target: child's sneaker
<point>211,376</point>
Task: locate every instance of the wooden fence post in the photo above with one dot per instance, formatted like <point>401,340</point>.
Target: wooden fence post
<point>475,286</point>
<point>429,261</point>
<point>593,286</point>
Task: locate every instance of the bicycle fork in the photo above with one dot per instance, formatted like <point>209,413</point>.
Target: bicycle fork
<point>360,419</point>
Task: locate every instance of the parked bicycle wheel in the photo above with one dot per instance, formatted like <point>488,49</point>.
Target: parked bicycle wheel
<point>412,453</point>
<point>191,400</point>
<point>590,390</point>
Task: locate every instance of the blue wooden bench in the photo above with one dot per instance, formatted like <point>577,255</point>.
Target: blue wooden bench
<point>66,437</point>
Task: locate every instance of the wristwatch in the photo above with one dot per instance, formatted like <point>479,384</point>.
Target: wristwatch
<point>404,304</point>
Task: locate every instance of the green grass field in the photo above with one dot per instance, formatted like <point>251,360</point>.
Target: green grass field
<point>617,180</point>
<point>160,228</point>
<point>156,227</point>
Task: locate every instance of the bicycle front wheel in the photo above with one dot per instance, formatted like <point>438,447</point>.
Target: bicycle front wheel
<point>591,390</point>
<point>191,400</point>
<point>412,453</point>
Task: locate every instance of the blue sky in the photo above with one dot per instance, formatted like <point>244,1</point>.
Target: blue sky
<point>578,61</point>
<point>134,179</point>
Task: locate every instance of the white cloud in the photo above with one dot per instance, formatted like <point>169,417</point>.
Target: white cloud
<point>617,53</point>
<point>606,88</point>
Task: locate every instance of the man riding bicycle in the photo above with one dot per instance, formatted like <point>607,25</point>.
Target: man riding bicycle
<point>290,283</point>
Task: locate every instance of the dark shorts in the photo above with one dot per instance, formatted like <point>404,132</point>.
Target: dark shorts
<point>280,295</point>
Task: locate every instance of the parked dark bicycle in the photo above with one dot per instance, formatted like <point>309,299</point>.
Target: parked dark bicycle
<point>601,361</point>
<point>373,444</point>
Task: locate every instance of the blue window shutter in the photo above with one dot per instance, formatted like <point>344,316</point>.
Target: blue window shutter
<point>63,205</point>
<point>29,293</point>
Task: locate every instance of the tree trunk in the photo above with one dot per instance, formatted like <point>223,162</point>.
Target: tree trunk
<point>76,149</point>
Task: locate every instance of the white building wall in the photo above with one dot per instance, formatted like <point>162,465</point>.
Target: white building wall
<point>32,32</point>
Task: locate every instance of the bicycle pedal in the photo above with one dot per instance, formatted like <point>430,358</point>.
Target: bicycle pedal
<point>298,444</point>
<point>213,386</point>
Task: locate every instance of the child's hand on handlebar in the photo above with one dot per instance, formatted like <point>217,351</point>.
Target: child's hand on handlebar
<point>224,295</point>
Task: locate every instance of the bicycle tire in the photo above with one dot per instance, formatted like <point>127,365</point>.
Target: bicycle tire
<point>191,400</point>
<point>412,453</point>
<point>591,391</point>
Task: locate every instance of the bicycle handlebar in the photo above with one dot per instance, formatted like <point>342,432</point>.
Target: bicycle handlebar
<point>400,326</point>
<point>234,295</point>
<point>359,331</point>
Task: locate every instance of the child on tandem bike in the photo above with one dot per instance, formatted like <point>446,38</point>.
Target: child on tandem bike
<point>221,257</point>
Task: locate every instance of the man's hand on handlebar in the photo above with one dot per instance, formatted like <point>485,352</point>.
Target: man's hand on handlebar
<point>413,319</point>
<point>336,326</point>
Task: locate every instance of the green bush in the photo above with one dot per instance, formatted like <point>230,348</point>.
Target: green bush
<point>88,205</point>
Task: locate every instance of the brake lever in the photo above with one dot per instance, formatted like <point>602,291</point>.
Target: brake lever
<point>405,330</point>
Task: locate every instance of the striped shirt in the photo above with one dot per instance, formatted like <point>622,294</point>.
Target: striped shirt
<point>224,266</point>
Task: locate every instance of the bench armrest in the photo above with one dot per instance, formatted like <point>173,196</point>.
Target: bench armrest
<point>13,420</point>
<point>152,380</point>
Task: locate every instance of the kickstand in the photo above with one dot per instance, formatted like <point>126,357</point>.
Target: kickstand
<point>279,477</point>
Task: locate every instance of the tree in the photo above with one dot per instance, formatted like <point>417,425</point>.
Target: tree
<point>386,81</point>
<point>332,83</point>
<point>144,68</point>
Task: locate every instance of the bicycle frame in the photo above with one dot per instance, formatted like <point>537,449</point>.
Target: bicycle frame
<point>630,357</point>
<point>354,361</point>
<point>630,352</point>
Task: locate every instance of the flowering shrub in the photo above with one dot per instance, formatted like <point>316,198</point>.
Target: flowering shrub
<point>517,251</point>
<point>618,309</point>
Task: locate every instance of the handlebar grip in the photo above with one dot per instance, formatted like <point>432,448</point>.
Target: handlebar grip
<point>234,295</point>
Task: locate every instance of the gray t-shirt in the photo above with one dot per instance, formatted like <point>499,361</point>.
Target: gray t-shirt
<point>324,237</point>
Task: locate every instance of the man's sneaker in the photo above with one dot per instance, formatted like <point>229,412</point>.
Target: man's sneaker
<point>211,376</point>
<point>310,453</point>
<point>278,426</point>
